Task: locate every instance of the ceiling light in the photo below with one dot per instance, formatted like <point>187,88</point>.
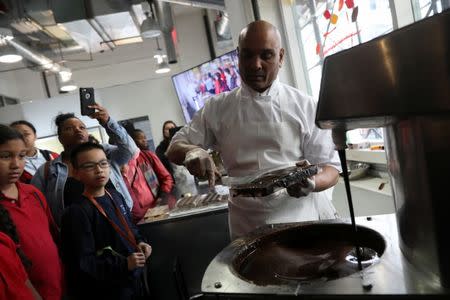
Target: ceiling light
<point>163,67</point>
<point>68,86</point>
<point>161,60</point>
<point>5,35</point>
<point>9,55</point>
<point>65,74</point>
<point>150,28</point>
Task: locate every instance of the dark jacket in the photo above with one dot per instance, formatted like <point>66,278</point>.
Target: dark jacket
<point>95,255</point>
<point>161,152</point>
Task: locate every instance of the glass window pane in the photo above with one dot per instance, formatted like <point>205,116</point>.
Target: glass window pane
<point>426,8</point>
<point>327,27</point>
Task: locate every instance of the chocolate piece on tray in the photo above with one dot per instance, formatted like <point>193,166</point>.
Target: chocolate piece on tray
<point>269,182</point>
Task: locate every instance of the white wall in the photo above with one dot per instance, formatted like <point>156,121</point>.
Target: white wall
<point>41,112</point>
<point>6,88</point>
<point>270,12</point>
<point>154,98</point>
<point>242,14</point>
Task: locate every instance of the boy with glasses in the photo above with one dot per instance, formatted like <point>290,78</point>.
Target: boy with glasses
<point>102,249</point>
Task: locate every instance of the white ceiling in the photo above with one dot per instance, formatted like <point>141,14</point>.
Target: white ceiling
<point>120,54</point>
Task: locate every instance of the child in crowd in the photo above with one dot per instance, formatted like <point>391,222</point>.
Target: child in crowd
<point>14,282</point>
<point>35,157</point>
<point>102,249</point>
<point>29,212</point>
<point>162,147</point>
<point>146,177</point>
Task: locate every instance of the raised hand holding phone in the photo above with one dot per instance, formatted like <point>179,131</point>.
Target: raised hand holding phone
<point>87,99</point>
<point>100,113</point>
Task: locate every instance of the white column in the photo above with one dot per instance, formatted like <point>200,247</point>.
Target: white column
<point>240,14</point>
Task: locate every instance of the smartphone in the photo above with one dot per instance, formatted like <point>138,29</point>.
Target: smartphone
<point>86,99</point>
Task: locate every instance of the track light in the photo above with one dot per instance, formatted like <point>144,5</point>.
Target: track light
<point>68,86</point>
<point>149,27</point>
<point>163,67</point>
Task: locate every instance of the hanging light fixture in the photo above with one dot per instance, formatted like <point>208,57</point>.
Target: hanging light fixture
<point>64,78</point>
<point>149,27</point>
<point>65,74</point>
<point>8,54</point>
<point>68,86</point>
<point>163,67</point>
<point>161,60</point>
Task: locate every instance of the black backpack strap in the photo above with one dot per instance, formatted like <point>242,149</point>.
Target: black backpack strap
<point>46,169</point>
<point>40,200</point>
<point>46,154</point>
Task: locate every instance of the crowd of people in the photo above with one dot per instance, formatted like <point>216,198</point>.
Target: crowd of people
<point>72,232</point>
<point>68,220</point>
<point>223,80</point>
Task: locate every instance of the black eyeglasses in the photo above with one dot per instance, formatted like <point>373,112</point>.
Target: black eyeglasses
<point>90,166</point>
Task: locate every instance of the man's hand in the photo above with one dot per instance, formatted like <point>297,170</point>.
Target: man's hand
<point>306,186</point>
<point>101,114</point>
<point>145,248</point>
<point>200,164</point>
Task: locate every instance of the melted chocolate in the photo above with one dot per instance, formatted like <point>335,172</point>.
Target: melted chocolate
<point>307,255</point>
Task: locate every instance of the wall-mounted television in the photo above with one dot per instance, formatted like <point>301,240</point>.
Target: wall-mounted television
<point>196,85</point>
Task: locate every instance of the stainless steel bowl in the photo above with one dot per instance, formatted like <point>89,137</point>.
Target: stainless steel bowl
<point>357,170</point>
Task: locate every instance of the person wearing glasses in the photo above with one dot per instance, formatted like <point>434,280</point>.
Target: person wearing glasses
<point>56,179</point>
<point>103,252</point>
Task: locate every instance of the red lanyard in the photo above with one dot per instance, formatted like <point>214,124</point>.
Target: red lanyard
<point>128,235</point>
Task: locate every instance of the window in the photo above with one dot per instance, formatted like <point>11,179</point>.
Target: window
<point>5,100</point>
<point>327,27</point>
<point>426,8</point>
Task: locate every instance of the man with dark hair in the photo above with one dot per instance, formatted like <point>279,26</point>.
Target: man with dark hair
<point>261,126</point>
<point>103,251</point>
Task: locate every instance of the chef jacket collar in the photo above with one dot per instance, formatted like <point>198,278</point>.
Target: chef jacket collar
<point>267,94</point>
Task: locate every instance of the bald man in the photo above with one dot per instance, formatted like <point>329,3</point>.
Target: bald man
<point>262,125</point>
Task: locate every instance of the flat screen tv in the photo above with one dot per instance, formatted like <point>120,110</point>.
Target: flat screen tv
<point>198,84</point>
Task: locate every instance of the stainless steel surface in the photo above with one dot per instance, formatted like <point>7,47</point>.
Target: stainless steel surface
<point>418,151</point>
<point>403,73</point>
<point>357,170</point>
<point>392,275</point>
<point>402,81</point>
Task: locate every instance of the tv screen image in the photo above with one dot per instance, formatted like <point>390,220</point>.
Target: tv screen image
<point>196,85</point>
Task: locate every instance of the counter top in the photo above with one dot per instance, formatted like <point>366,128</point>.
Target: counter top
<point>167,210</point>
<point>367,155</point>
<point>372,184</point>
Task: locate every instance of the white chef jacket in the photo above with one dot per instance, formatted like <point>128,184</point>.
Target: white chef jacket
<point>256,132</point>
